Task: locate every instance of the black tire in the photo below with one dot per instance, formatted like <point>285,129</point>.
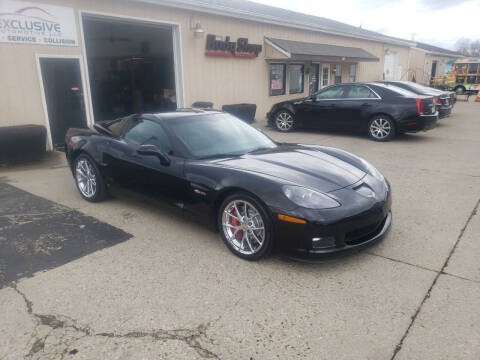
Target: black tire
<point>250,252</point>
<point>100,187</point>
<point>381,128</point>
<point>284,121</point>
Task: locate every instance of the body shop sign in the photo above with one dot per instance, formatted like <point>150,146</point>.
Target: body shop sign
<point>226,48</point>
<point>32,23</point>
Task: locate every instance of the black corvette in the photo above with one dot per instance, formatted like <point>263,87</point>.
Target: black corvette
<point>312,202</point>
<point>444,100</point>
<point>380,110</point>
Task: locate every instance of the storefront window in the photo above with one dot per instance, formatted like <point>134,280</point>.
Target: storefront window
<point>353,73</point>
<point>338,73</point>
<point>296,78</point>
<point>277,79</point>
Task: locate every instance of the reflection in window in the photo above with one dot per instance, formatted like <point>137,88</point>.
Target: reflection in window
<point>277,79</point>
<point>296,78</point>
<point>338,73</point>
<point>360,92</point>
<point>472,68</point>
<point>353,73</point>
<point>335,92</point>
<point>147,132</point>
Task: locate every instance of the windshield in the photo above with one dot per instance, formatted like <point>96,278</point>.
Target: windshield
<point>217,135</point>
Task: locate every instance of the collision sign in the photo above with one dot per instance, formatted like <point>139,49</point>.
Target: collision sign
<point>34,23</point>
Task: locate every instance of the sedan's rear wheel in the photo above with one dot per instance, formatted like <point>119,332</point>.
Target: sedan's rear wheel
<point>381,128</point>
<point>88,178</point>
<point>284,121</point>
<point>245,227</point>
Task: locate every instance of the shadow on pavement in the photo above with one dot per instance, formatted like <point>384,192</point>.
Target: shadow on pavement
<point>37,234</point>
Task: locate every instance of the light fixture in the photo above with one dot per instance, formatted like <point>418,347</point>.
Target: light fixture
<point>198,30</point>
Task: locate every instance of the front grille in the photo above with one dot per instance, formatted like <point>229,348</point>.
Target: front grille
<point>361,235</point>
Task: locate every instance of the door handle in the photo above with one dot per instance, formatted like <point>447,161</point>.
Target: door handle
<point>366,105</point>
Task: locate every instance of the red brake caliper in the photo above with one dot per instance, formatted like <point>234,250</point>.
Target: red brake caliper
<point>235,222</point>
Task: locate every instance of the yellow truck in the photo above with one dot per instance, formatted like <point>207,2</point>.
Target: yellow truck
<point>463,78</point>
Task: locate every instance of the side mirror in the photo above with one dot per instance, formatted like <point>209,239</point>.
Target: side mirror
<point>152,150</point>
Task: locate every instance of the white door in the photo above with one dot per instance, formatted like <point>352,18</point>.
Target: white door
<point>390,66</point>
<point>325,75</point>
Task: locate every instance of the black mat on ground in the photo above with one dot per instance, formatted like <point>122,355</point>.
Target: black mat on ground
<point>37,234</point>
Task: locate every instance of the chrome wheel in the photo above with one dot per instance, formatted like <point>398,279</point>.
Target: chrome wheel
<point>86,178</point>
<point>380,128</point>
<point>243,227</point>
<point>284,121</point>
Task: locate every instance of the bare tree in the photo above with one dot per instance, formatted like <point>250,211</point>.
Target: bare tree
<point>475,48</point>
<point>463,46</point>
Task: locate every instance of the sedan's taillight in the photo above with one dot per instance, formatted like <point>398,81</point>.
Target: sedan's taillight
<point>437,101</point>
<point>419,106</point>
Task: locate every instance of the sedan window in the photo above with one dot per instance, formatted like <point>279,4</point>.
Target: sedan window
<point>335,92</point>
<point>360,92</point>
<point>147,132</point>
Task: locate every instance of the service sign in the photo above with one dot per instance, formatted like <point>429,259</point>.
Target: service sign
<point>33,23</point>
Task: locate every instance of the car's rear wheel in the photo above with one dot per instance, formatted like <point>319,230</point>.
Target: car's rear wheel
<point>284,121</point>
<point>245,226</point>
<point>460,90</point>
<point>381,128</point>
<point>88,178</point>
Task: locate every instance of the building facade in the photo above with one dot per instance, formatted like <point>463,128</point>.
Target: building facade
<point>69,63</point>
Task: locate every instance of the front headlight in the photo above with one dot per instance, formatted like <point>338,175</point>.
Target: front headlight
<point>309,199</point>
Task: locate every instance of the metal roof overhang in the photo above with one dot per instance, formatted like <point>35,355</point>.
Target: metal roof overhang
<point>303,51</point>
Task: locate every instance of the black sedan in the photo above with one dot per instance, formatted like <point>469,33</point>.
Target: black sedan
<point>310,201</point>
<point>380,110</point>
<point>444,100</point>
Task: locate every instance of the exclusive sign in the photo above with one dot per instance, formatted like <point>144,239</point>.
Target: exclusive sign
<point>33,23</point>
<point>227,48</point>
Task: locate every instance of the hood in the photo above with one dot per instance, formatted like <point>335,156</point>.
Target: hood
<point>301,165</point>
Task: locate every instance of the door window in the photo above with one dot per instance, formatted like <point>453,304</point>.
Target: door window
<point>325,75</point>
<point>360,92</point>
<point>296,78</point>
<point>147,132</point>
<point>333,93</point>
<point>338,73</point>
<point>353,73</point>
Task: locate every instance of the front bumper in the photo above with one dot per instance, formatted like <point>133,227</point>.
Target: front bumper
<point>358,224</point>
<point>319,255</point>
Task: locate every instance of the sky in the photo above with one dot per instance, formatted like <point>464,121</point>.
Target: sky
<point>437,22</point>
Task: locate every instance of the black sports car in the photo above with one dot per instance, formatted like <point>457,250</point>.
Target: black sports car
<point>380,110</point>
<point>310,201</point>
<point>444,100</point>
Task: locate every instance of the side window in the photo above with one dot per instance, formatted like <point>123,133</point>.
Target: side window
<point>147,132</point>
<point>360,92</point>
<point>332,93</point>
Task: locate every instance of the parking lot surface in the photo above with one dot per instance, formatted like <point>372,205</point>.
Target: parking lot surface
<point>173,290</point>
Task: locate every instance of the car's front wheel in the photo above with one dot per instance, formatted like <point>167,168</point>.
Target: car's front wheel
<point>381,128</point>
<point>88,178</point>
<point>245,226</point>
<point>284,121</point>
